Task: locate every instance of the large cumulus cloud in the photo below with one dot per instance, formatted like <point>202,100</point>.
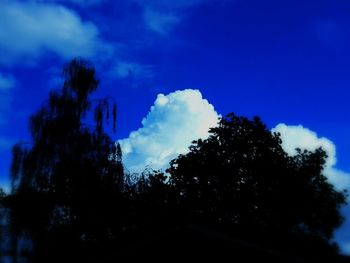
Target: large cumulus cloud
<point>173,122</point>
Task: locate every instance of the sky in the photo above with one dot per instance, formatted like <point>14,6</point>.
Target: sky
<point>176,66</point>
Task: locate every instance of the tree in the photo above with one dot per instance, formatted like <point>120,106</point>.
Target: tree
<point>152,199</point>
<point>67,182</point>
<point>241,179</point>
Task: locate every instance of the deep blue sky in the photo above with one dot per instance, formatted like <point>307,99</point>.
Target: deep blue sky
<point>286,61</point>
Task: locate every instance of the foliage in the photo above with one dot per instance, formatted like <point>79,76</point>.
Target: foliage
<point>241,178</point>
<point>71,175</point>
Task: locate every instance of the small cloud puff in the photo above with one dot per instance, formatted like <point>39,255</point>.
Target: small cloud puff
<point>162,16</point>
<point>159,21</point>
<point>173,122</point>
<point>300,137</point>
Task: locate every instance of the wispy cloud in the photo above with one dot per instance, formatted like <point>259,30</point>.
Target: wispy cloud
<point>7,82</point>
<point>28,29</point>
<point>159,21</point>
<point>125,69</point>
<point>162,16</point>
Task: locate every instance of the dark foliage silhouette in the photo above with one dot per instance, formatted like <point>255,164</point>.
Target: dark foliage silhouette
<point>67,183</point>
<point>235,195</point>
<point>242,181</point>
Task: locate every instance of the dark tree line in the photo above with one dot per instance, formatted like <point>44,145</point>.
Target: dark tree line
<point>73,201</point>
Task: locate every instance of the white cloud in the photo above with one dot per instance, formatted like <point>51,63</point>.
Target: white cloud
<point>174,121</point>
<point>7,82</point>
<point>27,29</point>
<point>300,137</point>
<point>339,178</point>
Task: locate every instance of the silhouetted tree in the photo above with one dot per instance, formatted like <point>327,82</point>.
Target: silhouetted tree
<point>240,179</point>
<point>67,183</point>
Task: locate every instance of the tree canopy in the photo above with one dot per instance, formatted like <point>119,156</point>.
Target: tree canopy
<point>241,178</point>
<point>66,177</point>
